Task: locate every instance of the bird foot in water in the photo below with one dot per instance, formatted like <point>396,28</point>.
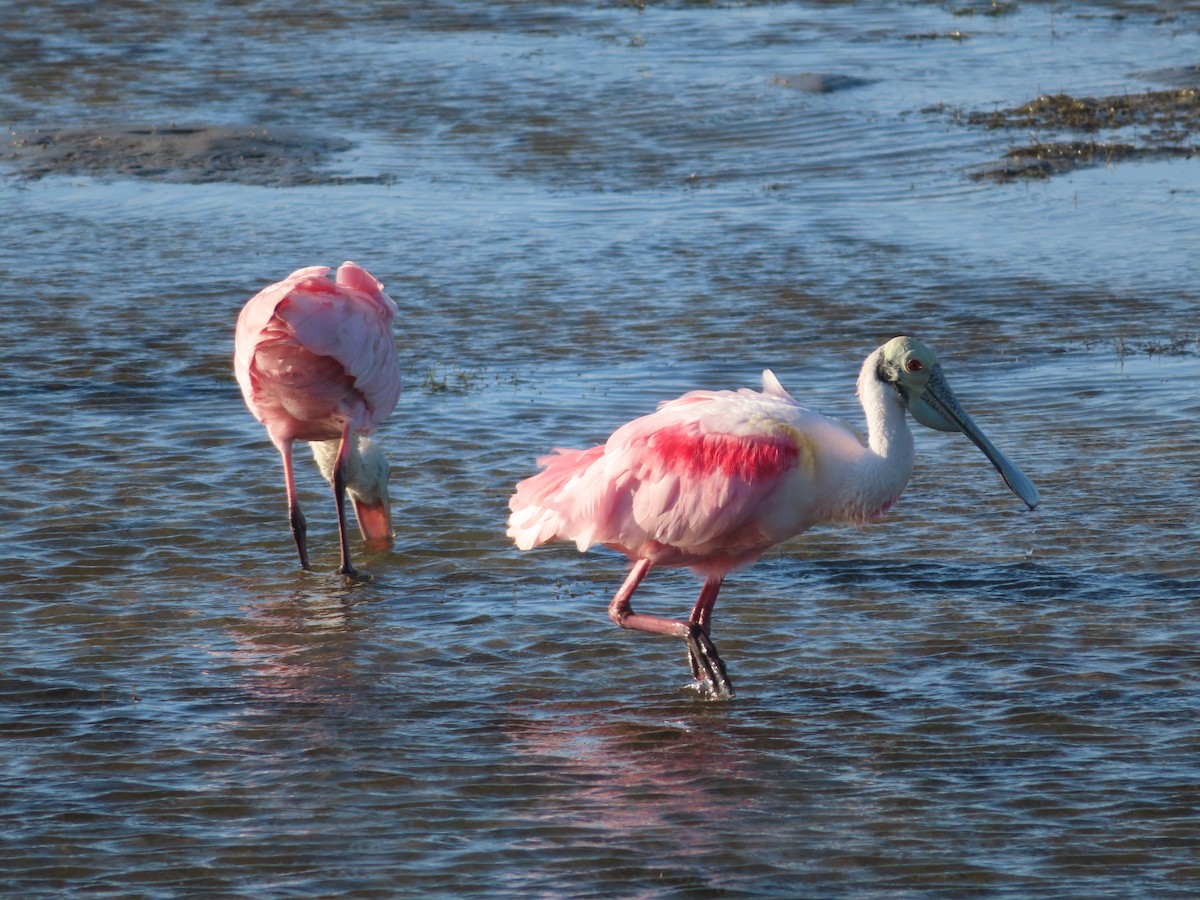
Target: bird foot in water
<point>355,575</point>
<point>707,667</point>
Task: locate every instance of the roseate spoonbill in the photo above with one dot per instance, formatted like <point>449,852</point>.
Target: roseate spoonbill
<point>317,362</point>
<point>714,478</point>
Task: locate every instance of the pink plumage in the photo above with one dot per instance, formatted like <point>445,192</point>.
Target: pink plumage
<point>312,354</point>
<point>316,361</point>
<point>689,485</point>
<point>715,478</point>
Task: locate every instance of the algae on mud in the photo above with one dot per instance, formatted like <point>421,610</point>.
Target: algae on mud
<point>1175,112</point>
<point>1165,124</point>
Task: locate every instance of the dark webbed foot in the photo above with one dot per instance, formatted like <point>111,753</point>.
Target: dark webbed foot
<point>707,667</point>
<point>356,576</point>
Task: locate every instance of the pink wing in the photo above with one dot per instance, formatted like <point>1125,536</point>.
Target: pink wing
<point>312,353</point>
<point>687,484</point>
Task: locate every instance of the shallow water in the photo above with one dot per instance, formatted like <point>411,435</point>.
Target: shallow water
<point>582,210</point>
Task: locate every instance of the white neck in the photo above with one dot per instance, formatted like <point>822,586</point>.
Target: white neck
<point>366,467</point>
<point>883,470</point>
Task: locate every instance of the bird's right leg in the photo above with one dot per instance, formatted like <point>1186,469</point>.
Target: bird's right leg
<point>295,516</point>
<point>339,497</point>
<point>707,666</point>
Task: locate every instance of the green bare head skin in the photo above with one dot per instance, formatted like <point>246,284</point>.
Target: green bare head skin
<point>912,368</point>
<point>909,365</point>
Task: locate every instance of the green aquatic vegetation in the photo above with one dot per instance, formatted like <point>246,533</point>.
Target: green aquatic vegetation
<point>1153,124</point>
<point>1175,110</point>
<point>994,9</point>
<point>1180,345</point>
<point>938,35</point>
<point>1042,160</point>
<point>1187,344</point>
<point>1088,151</point>
<point>455,380</point>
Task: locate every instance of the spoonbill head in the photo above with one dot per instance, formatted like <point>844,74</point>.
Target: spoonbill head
<point>913,368</point>
<point>714,478</point>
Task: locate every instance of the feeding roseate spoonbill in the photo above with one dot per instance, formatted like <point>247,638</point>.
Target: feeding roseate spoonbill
<point>317,362</point>
<point>713,479</point>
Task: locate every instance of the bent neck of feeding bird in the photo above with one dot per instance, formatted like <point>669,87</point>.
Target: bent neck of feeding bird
<point>884,469</point>
<point>367,472</point>
<point>366,466</point>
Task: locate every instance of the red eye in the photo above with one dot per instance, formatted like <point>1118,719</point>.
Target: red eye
<point>914,365</point>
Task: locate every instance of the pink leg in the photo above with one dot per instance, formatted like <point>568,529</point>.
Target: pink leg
<point>706,663</point>
<point>295,516</point>
<point>702,611</point>
<point>339,498</point>
<point>621,610</point>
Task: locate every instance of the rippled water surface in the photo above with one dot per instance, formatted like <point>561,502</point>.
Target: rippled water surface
<point>582,209</point>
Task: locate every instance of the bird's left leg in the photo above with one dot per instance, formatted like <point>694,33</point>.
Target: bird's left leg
<point>339,497</point>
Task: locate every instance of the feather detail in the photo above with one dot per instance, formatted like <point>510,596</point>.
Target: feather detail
<point>312,354</point>
<point>701,471</point>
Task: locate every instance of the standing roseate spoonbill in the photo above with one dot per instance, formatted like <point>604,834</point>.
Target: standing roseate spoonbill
<point>713,479</point>
<point>317,362</point>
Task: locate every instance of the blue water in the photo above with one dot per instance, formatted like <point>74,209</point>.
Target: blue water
<point>582,210</point>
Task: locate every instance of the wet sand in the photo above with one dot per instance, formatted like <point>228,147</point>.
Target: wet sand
<point>198,154</point>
